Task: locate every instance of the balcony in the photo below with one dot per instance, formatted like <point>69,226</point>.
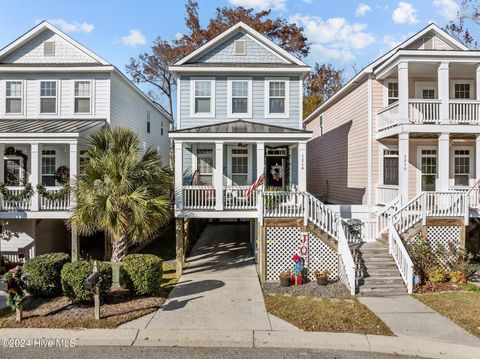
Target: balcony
<point>54,199</point>
<point>463,112</point>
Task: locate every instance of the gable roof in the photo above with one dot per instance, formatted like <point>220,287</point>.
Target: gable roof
<point>41,27</point>
<point>447,38</point>
<point>240,27</point>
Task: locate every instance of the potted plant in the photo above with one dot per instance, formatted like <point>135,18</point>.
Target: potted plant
<point>322,277</point>
<point>285,279</point>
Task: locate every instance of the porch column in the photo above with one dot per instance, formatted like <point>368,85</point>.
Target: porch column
<point>443,162</point>
<point>302,166</point>
<point>478,83</point>
<point>444,91</point>
<point>477,158</point>
<point>34,175</point>
<point>403,91</point>
<point>178,175</point>
<point>73,173</point>
<point>260,159</point>
<point>2,165</point>
<point>403,146</point>
<point>218,175</point>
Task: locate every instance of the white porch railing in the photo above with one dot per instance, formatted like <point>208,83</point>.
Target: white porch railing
<point>386,193</point>
<point>21,205</point>
<point>346,257</point>
<point>387,116</point>
<point>464,112</point>
<point>444,204</point>
<point>322,216</point>
<point>199,197</point>
<point>61,204</point>
<point>401,257</point>
<point>384,215</point>
<point>238,198</point>
<point>12,255</point>
<point>424,111</point>
<point>283,204</point>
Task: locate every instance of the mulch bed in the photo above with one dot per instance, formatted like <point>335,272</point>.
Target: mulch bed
<point>438,287</point>
<point>119,307</point>
<point>331,290</point>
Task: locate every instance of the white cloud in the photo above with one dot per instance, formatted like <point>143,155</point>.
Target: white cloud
<point>134,38</point>
<point>178,35</point>
<point>405,13</point>
<point>334,38</point>
<point>362,9</point>
<point>73,26</point>
<point>278,5</point>
<point>447,9</point>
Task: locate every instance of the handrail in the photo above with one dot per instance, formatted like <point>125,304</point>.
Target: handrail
<point>384,214</point>
<point>347,258</point>
<point>401,257</point>
<point>322,216</point>
<point>385,109</point>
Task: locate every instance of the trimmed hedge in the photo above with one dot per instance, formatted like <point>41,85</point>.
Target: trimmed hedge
<point>143,274</point>
<point>44,270</point>
<point>74,274</point>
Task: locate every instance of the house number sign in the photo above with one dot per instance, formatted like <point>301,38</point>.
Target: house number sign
<point>302,161</point>
<point>303,248</point>
<point>405,161</point>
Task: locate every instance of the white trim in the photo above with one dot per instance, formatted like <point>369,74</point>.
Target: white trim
<point>57,98</point>
<point>471,175</point>
<point>236,69</point>
<point>369,148</point>
<point>385,90</point>
<point>286,112</point>
<point>425,85</point>
<point>382,147</point>
<point>248,114</point>
<point>23,99</point>
<point>300,91</point>
<point>230,32</point>
<point>210,114</point>
<point>454,82</point>
<point>431,128</point>
<point>213,214</point>
<point>90,97</point>
<point>241,137</point>
<point>40,165</point>
<point>178,122</point>
<point>230,155</point>
<point>418,167</point>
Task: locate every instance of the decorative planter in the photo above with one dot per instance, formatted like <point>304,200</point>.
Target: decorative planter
<point>322,280</point>
<point>284,281</point>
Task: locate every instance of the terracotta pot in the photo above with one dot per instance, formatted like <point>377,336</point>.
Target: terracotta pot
<point>284,281</point>
<point>322,280</point>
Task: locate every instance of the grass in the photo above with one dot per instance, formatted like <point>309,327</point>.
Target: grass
<point>342,315</point>
<point>463,308</point>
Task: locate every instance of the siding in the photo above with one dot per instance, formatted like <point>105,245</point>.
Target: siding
<point>439,44</point>
<point>377,105</point>
<point>258,104</point>
<point>255,52</point>
<point>129,109</point>
<point>337,160</point>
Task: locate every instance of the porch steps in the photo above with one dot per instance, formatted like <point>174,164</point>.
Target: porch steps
<point>378,274</point>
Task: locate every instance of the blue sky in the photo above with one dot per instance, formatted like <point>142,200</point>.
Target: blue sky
<point>343,32</point>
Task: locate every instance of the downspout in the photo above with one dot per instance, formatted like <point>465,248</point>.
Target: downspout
<point>369,153</point>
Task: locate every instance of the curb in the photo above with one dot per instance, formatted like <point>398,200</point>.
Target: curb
<point>400,345</point>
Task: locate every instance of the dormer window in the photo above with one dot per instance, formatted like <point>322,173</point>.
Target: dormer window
<point>240,47</point>
<point>49,48</point>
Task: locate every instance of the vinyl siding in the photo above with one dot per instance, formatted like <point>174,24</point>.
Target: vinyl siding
<point>337,160</point>
<point>377,105</point>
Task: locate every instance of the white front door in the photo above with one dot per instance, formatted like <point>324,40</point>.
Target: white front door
<point>428,169</point>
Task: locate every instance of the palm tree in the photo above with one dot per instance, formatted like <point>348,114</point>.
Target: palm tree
<point>120,191</point>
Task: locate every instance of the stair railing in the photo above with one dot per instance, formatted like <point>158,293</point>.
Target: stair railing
<point>400,256</point>
<point>322,216</point>
<point>346,257</point>
<point>384,214</point>
<point>472,200</point>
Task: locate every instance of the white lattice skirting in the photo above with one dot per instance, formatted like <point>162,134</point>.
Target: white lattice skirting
<point>284,242</point>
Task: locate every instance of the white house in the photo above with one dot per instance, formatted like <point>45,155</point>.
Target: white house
<point>54,93</point>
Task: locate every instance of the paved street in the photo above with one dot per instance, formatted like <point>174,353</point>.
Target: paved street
<point>186,353</point>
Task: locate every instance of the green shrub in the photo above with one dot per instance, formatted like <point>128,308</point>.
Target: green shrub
<point>74,274</point>
<point>143,273</point>
<point>44,270</point>
<point>437,276</point>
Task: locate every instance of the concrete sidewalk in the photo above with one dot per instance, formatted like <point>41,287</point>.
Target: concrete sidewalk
<point>402,345</point>
<point>406,316</point>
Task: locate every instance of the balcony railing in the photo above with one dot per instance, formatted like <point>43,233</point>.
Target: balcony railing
<point>464,112</point>
<point>199,197</point>
<point>239,198</point>
<point>388,116</point>
<point>45,203</point>
<point>57,204</point>
<point>20,205</point>
<point>424,111</point>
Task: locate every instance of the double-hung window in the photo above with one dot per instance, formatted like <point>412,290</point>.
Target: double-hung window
<point>203,98</point>
<point>461,167</point>
<point>277,98</point>
<point>390,167</point>
<point>239,166</point>
<point>148,122</point>
<point>48,97</point>
<point>461,90</point>
<point>205,165</point>
<point>82,96</point>
<point>239,92</point>
<point>392,92</point>
<point>49,166</point>
<point>14,96</point>
<point>428,169</point>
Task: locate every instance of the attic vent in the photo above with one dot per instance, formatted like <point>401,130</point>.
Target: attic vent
<point>240,47</point>
<point>48,48</point>
<point>428,43</point>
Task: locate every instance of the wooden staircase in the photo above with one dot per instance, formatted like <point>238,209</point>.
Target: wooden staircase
<point>377,273</point>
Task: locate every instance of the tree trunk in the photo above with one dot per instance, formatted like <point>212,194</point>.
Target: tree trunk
<point>107,255</point>
<point>120,249</point>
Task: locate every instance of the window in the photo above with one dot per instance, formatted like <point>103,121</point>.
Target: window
<point>13,97</point>
<point>148,121</point>
<point>392,95</point>
<point>49,48</point>
<point>203,101</point>
<point>82,96</point>
<point>461,167</point>
<point>14,173</point>
<point>429,169</point>
<point>161,128</point>
<point>320,122</point>
<point>48,97</point>
<point>277,98</point>
<point>462,91</point>
<point>239,93</point>
<point>240,47</point>
<point>428,94</point>
<point>205,166</point>
<point>49,167</point>
<point>390,167</point>
<point>239,166</point>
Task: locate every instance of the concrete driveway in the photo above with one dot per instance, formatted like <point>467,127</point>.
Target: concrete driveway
<point>220,289</point>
